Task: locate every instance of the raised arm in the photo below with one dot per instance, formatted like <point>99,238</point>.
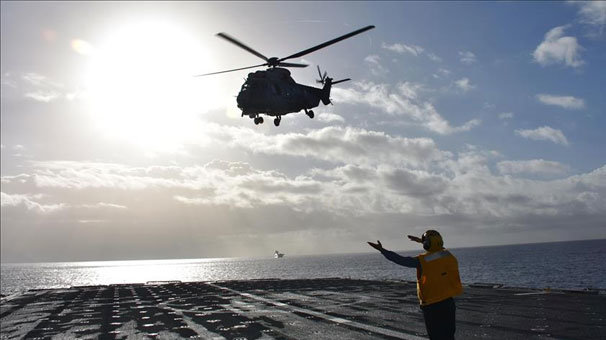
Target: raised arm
<point>406,261</point>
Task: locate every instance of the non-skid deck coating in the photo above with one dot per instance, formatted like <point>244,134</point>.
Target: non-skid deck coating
<point>293,309</point>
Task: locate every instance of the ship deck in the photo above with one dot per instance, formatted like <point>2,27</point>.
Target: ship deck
<point>330,308</point>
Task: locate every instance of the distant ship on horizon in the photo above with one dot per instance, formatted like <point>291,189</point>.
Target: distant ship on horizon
<point>278,255</point>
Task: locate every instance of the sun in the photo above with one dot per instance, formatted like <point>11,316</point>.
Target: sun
<point>141,87</point>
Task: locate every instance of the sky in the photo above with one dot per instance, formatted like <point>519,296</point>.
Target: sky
<point>482,120</point>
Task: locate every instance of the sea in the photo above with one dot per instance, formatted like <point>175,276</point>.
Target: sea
<point>574,265</point>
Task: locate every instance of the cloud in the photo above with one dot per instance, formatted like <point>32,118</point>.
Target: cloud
<point>403,101</point>
<point>544,133</point>
<point>567,102</point>
<point>557,48</point>
<point>219,200</point>
<point>506,115</point>
<point>340,145</point>
<point>328,117</point>
<point>33,86</point>
<point>43,96</point>
<point>593,14</point>
<point>414,183</point>
<point>373,59</point>
<point>434,57</point>
<point>39,80</point>
<point>414,50</point>
<point>29,202</point>
<point>467,57</point>
<point>533,166</point>
<point>441,72</point>
<point>404,48</point>
<point>464,84</point>
<point>375,65</point>
<point>80,175</point>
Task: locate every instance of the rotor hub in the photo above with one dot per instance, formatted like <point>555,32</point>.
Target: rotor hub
<point>273,62</point>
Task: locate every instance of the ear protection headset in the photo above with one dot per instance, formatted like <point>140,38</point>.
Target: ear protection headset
<point>432,240</point>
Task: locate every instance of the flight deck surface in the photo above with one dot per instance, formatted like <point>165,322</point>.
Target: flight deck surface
<point>293,309</point>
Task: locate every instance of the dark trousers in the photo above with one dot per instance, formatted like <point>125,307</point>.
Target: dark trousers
<point>440,319</point>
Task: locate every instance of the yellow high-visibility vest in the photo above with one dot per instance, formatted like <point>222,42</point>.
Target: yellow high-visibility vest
<point>438,277</point>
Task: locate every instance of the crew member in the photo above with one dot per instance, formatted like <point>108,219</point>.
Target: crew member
<point>438,282</point>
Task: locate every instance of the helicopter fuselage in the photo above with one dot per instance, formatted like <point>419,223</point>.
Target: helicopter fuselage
<point>273,92</point>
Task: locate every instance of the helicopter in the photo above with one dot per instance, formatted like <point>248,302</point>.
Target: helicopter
<point>274,92</point>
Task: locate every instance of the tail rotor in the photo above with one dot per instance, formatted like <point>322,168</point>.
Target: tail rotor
<point>322,76</point>
<point>328,83</point>
<point>325,79</point>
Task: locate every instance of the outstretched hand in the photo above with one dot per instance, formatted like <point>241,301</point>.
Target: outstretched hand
<point>378,246</point>
<point>414,238</point>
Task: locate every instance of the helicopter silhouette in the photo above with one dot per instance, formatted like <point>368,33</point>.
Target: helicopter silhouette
<point>274,92</point>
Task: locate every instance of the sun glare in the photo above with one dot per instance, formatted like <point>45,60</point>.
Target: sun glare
<point>141,85</point>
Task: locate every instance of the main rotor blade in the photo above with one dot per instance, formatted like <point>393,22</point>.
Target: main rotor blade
<point>235,69</point>
<point>328,43</point>
<point>241,45</point>
<point>292,65</point>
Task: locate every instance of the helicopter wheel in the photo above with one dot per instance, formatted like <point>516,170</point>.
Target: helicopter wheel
<point>310,113</point>
<point>277,121</point>
<point>258,120</point>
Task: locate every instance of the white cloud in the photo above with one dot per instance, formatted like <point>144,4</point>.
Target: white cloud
<point>557,48</point>
<point>403,101</point>
<point>376,68</point>
<point>544,133</point>
<point>593,13</point>
<point>458,191</point>
<point>29,202</point>
<point>414,50</point>
<point>434,57</point>
<point>404,48</point>
<point>43,96</point>
<point>506,115</point>
<point>328,117</point>
<point>533,166</point>
<point>40,80</point>
<point>567,102</point>
<point>80,175</point>
<point>373,59</point>
<point>441,72</point>
<point>467,57</point>
<point>464,84</point>
<point>341,145</point>
<point>40,88</point>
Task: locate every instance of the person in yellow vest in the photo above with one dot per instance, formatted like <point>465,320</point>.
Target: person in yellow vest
<point>438,282</point>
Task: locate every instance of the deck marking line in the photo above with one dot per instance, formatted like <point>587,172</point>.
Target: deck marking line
<point>338,320</point>
<point>533,293</point>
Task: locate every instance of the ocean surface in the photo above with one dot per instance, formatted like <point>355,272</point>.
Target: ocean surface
<point>564,265</point>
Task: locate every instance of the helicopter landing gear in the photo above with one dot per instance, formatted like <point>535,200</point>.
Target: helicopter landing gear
<point>277,121</point>
<point>258,120</point>
<point>309,113</point>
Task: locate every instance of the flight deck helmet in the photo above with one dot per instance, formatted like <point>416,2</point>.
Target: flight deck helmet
<point>432,240</point>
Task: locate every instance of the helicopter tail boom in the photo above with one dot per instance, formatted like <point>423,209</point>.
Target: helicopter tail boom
<point>328,83</point>
<point>326,91</point>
